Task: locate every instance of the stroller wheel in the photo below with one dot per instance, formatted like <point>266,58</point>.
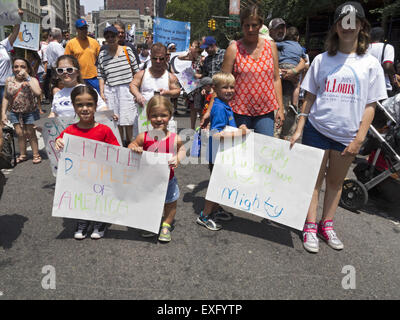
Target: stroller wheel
<point>354,195</point>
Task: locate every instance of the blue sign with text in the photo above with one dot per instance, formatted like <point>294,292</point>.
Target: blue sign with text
<point>167,31</point>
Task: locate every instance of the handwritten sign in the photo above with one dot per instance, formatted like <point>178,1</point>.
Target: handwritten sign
<point>167,31</point>
<point>52,128</point>
<point>101,182</point>
<point>28,36</point>
<point>9,13</point>
<point>264,177</point>
<point>187,80</point>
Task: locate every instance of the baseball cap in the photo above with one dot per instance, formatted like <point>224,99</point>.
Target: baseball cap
<point>276,22</point>
<point>80,23</point>
<point>205,81</point>
<point>208,41</point>
<point>348,8</point>
<point>171,45</point>
<point>111,29</point>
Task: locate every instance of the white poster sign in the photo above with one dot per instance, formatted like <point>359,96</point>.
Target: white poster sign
<point>28,36</point>
<point>264,177</point>
<point>101,182</point>
<point>52,128</point>
<point>9,13</point>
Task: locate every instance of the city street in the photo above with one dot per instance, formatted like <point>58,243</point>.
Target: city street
<point>249,259</point>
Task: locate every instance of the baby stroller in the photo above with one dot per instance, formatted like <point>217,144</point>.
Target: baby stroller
<point>378,174</point>
<point>8,158</point>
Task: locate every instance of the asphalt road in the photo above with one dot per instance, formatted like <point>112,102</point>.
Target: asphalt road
<point>247,260</point>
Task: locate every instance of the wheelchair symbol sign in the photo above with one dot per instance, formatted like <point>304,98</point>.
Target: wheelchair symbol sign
<point>28,36</point>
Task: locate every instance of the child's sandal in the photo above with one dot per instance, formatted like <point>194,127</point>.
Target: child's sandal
<point>37,159</point>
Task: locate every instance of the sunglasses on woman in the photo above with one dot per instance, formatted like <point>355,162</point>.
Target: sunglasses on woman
<point>69,70</point>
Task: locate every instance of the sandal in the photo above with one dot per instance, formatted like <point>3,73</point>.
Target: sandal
<point>22,158</point>
<point>37,159</point>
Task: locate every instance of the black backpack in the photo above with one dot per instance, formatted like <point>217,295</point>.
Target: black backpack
<point>8,158</point>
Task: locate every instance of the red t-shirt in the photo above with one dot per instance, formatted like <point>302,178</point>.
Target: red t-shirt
<point>100,133</point>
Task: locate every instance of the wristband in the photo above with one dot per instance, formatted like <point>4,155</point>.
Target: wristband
<point>294,71</point>
<point>302,114</point>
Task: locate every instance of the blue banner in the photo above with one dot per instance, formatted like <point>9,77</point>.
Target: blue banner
<point>167,31</point>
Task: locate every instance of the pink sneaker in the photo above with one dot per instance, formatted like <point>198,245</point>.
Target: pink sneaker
<point>326,233</point>
<point>310,239</point>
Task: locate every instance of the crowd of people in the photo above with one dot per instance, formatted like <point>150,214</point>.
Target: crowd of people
<point>256,83</point>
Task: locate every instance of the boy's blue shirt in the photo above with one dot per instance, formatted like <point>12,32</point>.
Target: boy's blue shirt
<point>221,116</point>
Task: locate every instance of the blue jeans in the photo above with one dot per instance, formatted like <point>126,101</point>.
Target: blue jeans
<point>263,124</point>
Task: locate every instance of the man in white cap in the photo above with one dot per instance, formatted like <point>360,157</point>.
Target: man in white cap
<point>277,31</point>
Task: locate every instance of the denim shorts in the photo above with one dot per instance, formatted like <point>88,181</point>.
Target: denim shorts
<point>172,191</point>
<point>27,118</point>
<point>313,138</point>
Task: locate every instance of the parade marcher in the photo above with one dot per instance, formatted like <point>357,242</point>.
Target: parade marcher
<point>116,67</point>
<point>343,85</point>
<point>120,26</point>
<point>385,54</point>
<point>211,64</point>
<point>86,50</point>
<point>290,55</point>
<point>144,56</point>
<point>278,31</point>
<point>161,140</point>
<point>65,38</point>
<point>254,63</point>
<point>194,99</point>
<point>156,79</point>
<point>68,70</point>
<point>84,100</point>
<point>20,95</point>
<point>6,46</point>
<point>53,51</point>
<point>220,117</point>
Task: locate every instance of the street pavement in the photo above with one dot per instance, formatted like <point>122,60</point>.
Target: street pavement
<point>248,259</point>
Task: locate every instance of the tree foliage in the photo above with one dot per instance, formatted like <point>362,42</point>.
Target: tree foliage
<point>295,12</point>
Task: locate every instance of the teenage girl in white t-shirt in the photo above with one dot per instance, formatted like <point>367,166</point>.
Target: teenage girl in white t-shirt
<point>343,85</point>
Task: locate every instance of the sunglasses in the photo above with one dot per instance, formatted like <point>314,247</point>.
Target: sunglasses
<point>69,70</point>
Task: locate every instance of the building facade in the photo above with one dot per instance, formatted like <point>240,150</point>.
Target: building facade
<point>53,14</point>
<point>72,13</point>
<point>31,10</point>
<point>144,6</point>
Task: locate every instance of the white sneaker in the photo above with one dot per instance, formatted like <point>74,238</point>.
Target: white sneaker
<point>326,233</point>
<point>310,239</point>
<point>98,230</point>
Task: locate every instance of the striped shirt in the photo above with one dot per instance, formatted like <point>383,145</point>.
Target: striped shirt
<point>116,70</point>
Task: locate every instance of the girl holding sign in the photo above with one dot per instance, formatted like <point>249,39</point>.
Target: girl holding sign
<point>343,85</point>
<point>84,99</point>
<point>159,113</point>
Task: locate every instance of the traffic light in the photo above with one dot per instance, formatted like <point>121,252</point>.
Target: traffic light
<point>213,25</point>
